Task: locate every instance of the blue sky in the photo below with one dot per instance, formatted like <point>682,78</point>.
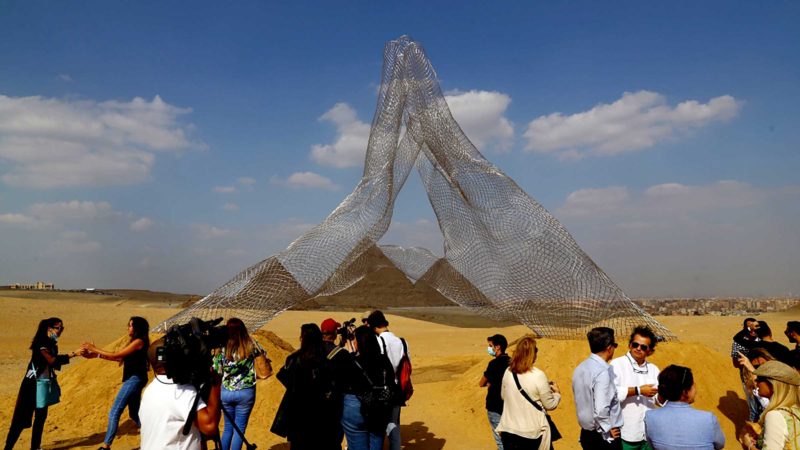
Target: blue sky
<point>166,146</point>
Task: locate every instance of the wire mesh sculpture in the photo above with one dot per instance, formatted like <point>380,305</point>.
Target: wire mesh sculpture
<point>505,256</point>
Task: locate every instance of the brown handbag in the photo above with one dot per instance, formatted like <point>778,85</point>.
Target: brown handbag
<point>263,367</point>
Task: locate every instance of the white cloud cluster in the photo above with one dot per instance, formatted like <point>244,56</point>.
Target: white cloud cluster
<point>659,201</point>
<point>636,121</point>
<point>351,140</point>
<point>306,180</point>
<point>480,115</point>
<point>206,231</point>
<point>51,143</point>
<point>142,224</point>
<point>45,214</point>
<point>75,242</point>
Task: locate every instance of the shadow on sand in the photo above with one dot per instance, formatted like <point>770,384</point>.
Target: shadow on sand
<point>127,427</point>
<point>735,409</point>
<point>416,436</point>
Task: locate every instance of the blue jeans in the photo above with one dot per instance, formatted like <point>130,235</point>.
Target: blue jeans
<point>494,421</point>
<point>358,437</point>
<point>130,395</point>
<point>238,405</point>
<point>393,430</point>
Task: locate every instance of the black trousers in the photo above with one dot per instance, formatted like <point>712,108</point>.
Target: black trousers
<point>514,442</point>
<point>592,440</point>
<point>39,417</point>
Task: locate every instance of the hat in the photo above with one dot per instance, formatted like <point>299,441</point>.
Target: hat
<point>329,326</point>
<point>376,319</point>
<point>776,370</point>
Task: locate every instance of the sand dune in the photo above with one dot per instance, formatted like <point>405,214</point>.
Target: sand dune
<point>447,410</point>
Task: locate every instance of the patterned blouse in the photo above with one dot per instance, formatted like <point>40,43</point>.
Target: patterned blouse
<point>237,374</point>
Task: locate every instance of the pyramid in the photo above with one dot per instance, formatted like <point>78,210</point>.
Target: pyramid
<point>505,256</point>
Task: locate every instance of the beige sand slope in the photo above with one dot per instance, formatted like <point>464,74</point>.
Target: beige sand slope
<point>446,410</point>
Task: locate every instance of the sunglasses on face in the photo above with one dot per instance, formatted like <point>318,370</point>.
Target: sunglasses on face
<point>644,347</point>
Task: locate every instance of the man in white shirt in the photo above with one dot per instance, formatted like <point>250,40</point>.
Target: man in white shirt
<point>165,408</point>
<point>393,348</point>
<point>636,381</point>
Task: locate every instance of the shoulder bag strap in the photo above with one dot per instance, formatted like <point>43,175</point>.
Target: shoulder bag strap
<point>364,372</point>
<point>385,352</point>
<point>525,394</point>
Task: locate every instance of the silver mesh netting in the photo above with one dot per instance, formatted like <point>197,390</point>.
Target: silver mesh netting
<point>505,256</point>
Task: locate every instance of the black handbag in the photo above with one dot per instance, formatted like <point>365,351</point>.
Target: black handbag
<point>554,433</point>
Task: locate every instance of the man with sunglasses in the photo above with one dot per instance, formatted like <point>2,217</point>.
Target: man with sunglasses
<point>596,401</point>
<point>636,381</point>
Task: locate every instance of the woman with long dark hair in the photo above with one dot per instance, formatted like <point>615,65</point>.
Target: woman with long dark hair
<point>236,363</point>
<point>39,388</point>
<point>133,358</point>
<point>364,423</point>
<point>308,412</point>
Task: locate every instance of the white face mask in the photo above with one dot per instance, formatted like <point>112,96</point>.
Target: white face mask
<point>490,351</point>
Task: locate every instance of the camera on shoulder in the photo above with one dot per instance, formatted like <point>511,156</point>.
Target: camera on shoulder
<point>186,354</point>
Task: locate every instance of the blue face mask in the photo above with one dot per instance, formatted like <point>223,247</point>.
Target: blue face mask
<point>490,351</point>
<point>54,337</point>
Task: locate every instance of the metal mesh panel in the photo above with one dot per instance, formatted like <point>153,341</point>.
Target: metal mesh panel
<point>505,256</point>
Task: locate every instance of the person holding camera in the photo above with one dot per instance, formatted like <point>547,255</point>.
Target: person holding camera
<point>308,415</point>
<point>134,374</point>
<point>393,347</point>
<point>168,407</point>
<point>39,388</point>
<point>235,362</point>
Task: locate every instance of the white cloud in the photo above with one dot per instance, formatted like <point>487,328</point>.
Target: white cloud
<point>142,224</point>
<point>480,115</point>
<point>72,210</point>
<point>224,189</point>
<point>307,180</point>
<point>636,121</point>
<point>662,200</point>
<point>246,181</point>
<point>75,242</point>
<point>205,231</point>
<point>51,143</point>
<point>19,219</point>
<point>231,207</point>
<point>351,140</point>
<point>65,77</point>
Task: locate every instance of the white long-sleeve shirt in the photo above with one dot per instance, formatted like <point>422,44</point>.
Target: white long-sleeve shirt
<point>776,429</point>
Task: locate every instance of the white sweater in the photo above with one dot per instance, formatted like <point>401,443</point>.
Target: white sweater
<point>519,416</point>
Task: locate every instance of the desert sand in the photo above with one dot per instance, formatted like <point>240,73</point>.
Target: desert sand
<point>447,410</point>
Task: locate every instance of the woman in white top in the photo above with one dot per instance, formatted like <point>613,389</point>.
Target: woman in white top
<point>522,425</point>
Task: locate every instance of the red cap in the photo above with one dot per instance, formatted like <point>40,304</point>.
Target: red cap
<point>329,326</point>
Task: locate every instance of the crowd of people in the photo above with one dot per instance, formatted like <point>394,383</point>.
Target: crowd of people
<point>353,390</point>
<point>628,403</point>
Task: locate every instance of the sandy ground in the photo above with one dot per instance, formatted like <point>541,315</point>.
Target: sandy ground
<point>447,410</point>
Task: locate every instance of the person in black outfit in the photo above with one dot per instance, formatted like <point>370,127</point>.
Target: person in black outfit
<point>44,362</point>
<point>493,378</point>
<point>792,333</point>
<point>776,349</point>
<point>308,409</point>
<point>134,374</point>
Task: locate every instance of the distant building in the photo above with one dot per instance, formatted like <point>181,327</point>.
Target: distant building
<point>38,286</point>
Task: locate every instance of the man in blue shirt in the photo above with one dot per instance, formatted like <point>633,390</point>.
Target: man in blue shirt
<point>596,402</point>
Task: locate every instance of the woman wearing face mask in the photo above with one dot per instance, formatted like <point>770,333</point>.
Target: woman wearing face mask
<point>39,386</point>
<point>134,374</point>
<point>755,358</point>
<point>677,424</point>
<point>780,420</point>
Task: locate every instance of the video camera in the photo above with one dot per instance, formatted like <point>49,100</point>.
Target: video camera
<point>186,353</point>
<point>347,330</point>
